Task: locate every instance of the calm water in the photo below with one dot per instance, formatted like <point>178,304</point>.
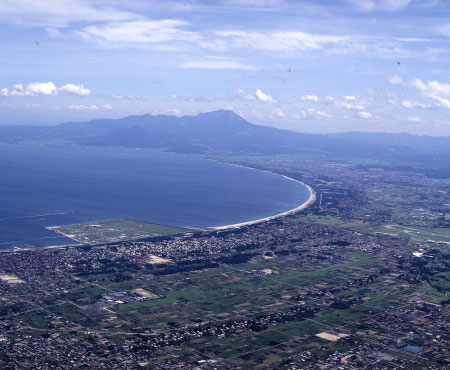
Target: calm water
<point>48,186</point>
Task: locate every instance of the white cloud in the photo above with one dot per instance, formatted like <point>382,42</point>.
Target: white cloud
<point>414,104</point>
<point>313,113</point>
<point>20,93</point>
<point>350,103</point>
<point>82,107</point>
<point>313,98</point>
<point>413,119</point>
<point>396,80</point>
<point>365,115</point>
<point>380,5</point>
<point>294,41</point>
<point>53,32</point>
<point>243,95</point>
<point>218,63</point>
<point>264,97</point>
<point>347,105</point>
<point>57,13</point>
<point>278,40</point>
<point>42,88</point>
<point>278,113</point>
<point>4,92</point>
<point>438,91</point>
<point>160,34</point>
<point>107,106</point>
<point>75,89</point>
<point>431,88</point>
<point>129,97</point>
<point>45,88</point>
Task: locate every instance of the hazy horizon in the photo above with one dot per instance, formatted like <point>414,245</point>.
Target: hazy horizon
<point>374,131</point>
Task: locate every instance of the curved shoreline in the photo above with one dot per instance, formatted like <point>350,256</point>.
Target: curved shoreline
<point>312,198</point>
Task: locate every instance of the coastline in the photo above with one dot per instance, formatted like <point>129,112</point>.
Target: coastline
<point>312,198</point>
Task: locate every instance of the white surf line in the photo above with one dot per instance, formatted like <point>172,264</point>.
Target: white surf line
<point>311,200</point>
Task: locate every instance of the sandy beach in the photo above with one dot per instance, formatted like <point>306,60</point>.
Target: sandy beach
<point>311,200</point>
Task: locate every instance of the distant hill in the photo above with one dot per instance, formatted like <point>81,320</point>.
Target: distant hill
<point>224,131</point>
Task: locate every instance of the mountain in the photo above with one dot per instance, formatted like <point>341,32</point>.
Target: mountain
<point>225,132</point>
<point>221,130</point>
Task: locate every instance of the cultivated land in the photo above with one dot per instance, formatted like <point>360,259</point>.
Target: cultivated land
<point>360,279</point>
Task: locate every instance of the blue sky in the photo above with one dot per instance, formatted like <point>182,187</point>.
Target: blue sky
<point>312,66</point>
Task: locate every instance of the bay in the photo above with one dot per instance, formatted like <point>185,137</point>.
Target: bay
<point>44,186</point>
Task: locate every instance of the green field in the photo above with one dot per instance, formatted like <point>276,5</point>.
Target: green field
<point>114,230</point>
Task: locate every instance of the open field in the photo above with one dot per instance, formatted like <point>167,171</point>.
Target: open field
<point>114,230</point>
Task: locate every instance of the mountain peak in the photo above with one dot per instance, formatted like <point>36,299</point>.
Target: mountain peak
<point>222,116</point>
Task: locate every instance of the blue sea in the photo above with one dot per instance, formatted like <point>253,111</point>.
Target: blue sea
<point>44,186</point>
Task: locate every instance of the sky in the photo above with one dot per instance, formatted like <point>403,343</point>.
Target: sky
<point>311,66</point>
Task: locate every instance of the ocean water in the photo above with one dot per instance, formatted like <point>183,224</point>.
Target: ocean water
<point>49,186</point>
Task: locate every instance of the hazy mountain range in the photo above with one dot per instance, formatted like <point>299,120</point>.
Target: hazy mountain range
<point>225,132</point>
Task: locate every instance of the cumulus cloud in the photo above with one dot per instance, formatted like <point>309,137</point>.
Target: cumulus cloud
<point>44,88</point>
<point>365,115</point>
<point>313,98</point>
<point>352,98</point>
<point>413,119</point>
<point>313,113</point>
<point>264,97</point>
<point>435,90</point>
<point>107,106</point>
<point>75,89</point>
